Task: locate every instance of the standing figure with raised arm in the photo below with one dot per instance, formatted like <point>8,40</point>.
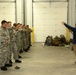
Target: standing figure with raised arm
<point>73,29</point>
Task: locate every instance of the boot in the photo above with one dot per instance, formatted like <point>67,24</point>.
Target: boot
<point>8,65</point>
<point>30,45</point>
<point>3,68</point>
<point>21,51</point>
<point>17,61</point>
<point>10,61</point>
<point>19,56</point>
<point>26,50</point>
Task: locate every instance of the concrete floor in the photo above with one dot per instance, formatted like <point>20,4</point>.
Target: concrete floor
<point>47,60</point>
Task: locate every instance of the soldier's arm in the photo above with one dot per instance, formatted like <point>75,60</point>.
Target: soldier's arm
<point>2,38</point>
<point>30,30</point>
<point>69,27</point>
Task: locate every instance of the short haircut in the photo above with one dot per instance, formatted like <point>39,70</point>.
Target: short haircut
<point>27,25</point>
<point>15,24</point>
<point>9,22</point>
<point>3,21</point>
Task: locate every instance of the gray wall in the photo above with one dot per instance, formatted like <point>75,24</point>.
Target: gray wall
<point>71,12</point>
<point>28,12</point>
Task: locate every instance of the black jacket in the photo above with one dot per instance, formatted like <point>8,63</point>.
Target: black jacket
<point>73,29</point>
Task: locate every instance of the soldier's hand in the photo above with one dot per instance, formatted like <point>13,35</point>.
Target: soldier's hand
<point>63,22</point>
<point>6,41</point>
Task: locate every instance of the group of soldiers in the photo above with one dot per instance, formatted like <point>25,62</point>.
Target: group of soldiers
<point>13,41</point>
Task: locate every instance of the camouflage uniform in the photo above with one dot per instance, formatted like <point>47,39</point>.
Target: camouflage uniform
<point>14,46</point>
<point>19,39</point>
<point>27,37</point>
<point>10,30</point>
<point>28,32</point>
<point>4,36</point>
<point>24,39</point>
<point>30,37</point>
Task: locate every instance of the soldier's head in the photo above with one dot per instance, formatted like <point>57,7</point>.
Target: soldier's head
<point>18,24</point>
<point>24,26</point>
<point>21,25</point>
<point>14,25</point>
<point>4,23</point>
<point>27,26</point>
<point>9,24</point>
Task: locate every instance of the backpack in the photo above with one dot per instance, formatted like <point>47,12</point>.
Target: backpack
<point>48,41</point>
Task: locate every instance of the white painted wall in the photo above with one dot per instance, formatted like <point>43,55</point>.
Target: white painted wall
<point>19,17</point>
<point>48,18</point>
<point>11,11</point>
<point>7,11</point>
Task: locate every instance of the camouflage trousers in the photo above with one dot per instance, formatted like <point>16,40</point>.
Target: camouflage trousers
<point>3,56</point>
<point>14,49</point>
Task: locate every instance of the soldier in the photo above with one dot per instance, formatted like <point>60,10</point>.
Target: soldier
<point>9,27</point>
<point>29,34</point>
<point>21,37</point>
<point>19,40</point>
<point>4,42</point>
<point>24,38</point>
<point>15,43</point>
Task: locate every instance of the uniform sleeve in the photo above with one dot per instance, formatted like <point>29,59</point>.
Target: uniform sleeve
<point>2,38</point>
<point>13,36</point>
<point>70,27</point>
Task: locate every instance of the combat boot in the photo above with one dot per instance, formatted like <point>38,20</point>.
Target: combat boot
<point>3,68</point>
<point>19,56</point>
<point>8,65</point>
<point>17,61</point>
<point>26,50</point>
<point>10,61</point>
<point>21,51</point>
